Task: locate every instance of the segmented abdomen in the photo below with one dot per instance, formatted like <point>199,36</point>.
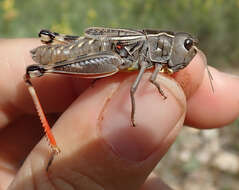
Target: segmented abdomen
<point>49,54</point>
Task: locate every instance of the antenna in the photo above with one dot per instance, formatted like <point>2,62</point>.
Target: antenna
<point>206,65</point>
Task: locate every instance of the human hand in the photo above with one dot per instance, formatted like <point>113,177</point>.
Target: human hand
<point>99,148</point>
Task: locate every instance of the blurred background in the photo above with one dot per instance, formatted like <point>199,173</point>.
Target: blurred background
<point>206,159</point>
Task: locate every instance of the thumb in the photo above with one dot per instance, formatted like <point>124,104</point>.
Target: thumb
<point>100,149</point>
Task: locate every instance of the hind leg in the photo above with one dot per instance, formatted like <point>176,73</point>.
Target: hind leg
<point>48,37</point>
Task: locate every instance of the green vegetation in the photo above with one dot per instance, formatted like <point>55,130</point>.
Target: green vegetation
<point>214,22</point>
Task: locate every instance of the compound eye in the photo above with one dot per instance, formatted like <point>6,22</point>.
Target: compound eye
<point>188,43</point>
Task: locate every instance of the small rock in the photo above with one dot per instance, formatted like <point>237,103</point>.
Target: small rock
<point>227,162</point>
<point>185,155</point>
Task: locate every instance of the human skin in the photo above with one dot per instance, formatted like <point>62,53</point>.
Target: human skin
<point>100,150</point>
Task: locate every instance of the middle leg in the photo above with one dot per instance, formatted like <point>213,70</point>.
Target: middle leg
<point>153,77</point>
<point>133,90</point>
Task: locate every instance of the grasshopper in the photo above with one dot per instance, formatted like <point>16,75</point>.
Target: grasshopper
<point>102,52</point>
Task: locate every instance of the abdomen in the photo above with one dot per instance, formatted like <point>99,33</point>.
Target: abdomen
<point>50,54</point>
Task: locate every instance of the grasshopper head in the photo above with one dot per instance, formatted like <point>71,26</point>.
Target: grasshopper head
<point>183,51</point>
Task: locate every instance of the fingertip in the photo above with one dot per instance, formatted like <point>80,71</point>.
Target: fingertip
<point>208,109</point>
<point>205,108</point>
